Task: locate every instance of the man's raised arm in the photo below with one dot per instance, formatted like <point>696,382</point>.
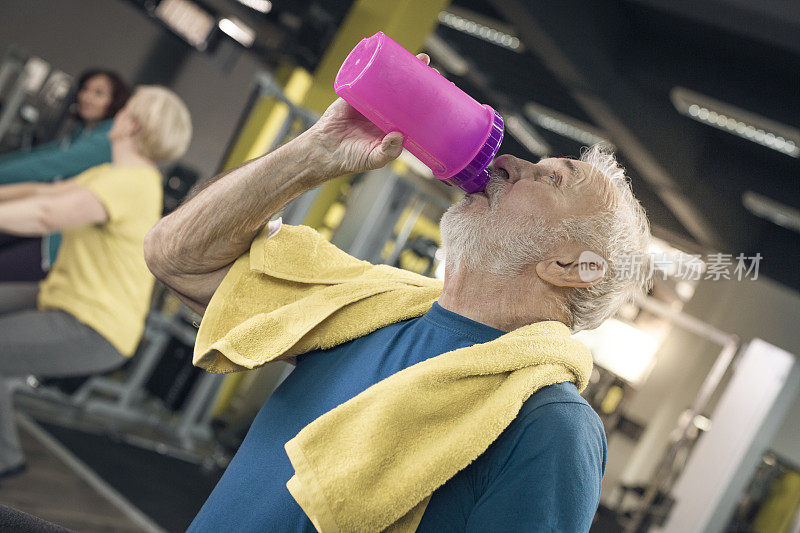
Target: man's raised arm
<point>192,249</point>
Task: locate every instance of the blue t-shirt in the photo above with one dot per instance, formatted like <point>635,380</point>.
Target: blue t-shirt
<point>542,474</point>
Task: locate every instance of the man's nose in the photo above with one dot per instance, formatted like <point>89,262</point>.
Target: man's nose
<point>508,163</point>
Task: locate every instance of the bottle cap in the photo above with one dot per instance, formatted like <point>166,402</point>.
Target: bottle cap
<point>475,176</point>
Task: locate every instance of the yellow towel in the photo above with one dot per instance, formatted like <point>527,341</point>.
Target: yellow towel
<point>372,463</point>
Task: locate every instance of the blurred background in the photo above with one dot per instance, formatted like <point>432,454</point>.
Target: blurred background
<point>697,384</point>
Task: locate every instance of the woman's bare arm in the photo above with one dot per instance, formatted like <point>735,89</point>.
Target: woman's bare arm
<point>40,214</point>
<point>18,191</point>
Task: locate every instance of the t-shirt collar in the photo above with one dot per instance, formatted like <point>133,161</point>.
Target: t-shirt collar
<point>461,325</point>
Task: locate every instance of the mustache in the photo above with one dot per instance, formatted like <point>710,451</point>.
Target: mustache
<point>498,185</point>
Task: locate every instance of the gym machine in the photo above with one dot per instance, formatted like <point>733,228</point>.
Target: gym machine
<point>34,100</point>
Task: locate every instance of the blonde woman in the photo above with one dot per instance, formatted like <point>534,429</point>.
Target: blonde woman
<point>88,314</point>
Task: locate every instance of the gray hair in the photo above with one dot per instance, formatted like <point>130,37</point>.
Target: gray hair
<point>621,235</point>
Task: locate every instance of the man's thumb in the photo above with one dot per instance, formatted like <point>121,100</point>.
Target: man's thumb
<point>392,146</point>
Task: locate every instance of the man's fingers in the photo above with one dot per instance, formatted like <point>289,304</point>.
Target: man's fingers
<point>393,143</point>
<point>391,148</point>
<point>427,59</point>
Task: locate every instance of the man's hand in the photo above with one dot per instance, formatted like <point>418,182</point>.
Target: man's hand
<point>353,143</point>
<point>193,248</point>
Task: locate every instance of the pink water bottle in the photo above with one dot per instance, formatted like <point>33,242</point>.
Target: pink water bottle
<point>444,127</point>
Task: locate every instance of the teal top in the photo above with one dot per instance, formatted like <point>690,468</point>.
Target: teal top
<point>64,158</point>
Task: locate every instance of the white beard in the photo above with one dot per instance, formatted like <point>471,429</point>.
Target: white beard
<point>486,240</point>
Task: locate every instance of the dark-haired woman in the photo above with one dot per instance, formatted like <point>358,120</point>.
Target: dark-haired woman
<point>101,93</point>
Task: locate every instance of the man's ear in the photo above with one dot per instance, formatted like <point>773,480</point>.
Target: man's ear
<point>573,269</point>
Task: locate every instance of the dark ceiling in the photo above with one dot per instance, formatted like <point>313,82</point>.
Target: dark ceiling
<point>613,64</point>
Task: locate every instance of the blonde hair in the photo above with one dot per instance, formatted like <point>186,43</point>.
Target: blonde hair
<point>166,127</point>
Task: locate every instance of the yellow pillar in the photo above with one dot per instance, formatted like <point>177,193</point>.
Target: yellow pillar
<point>267,117</point>
<point>409,22</point>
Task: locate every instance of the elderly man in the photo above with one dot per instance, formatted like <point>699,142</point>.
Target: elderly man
<point>535,455</point>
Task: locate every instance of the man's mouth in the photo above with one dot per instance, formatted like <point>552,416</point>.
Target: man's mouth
<point>498,172</point>
<point>484,195</point>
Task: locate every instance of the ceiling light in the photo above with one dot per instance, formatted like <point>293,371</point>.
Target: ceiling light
<point>264,6</point>
<point>769,209</point>
<point>745,124</point>
<point>238,31</point>
<point>484,30</point>
<point>702,423</point>
<point>522,131</point>
<point>188,20</point>
<point>444,54</point>
<point>564,125</point>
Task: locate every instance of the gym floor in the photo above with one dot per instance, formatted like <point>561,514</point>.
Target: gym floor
<point>51,490</point>
<point>78,470</point>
